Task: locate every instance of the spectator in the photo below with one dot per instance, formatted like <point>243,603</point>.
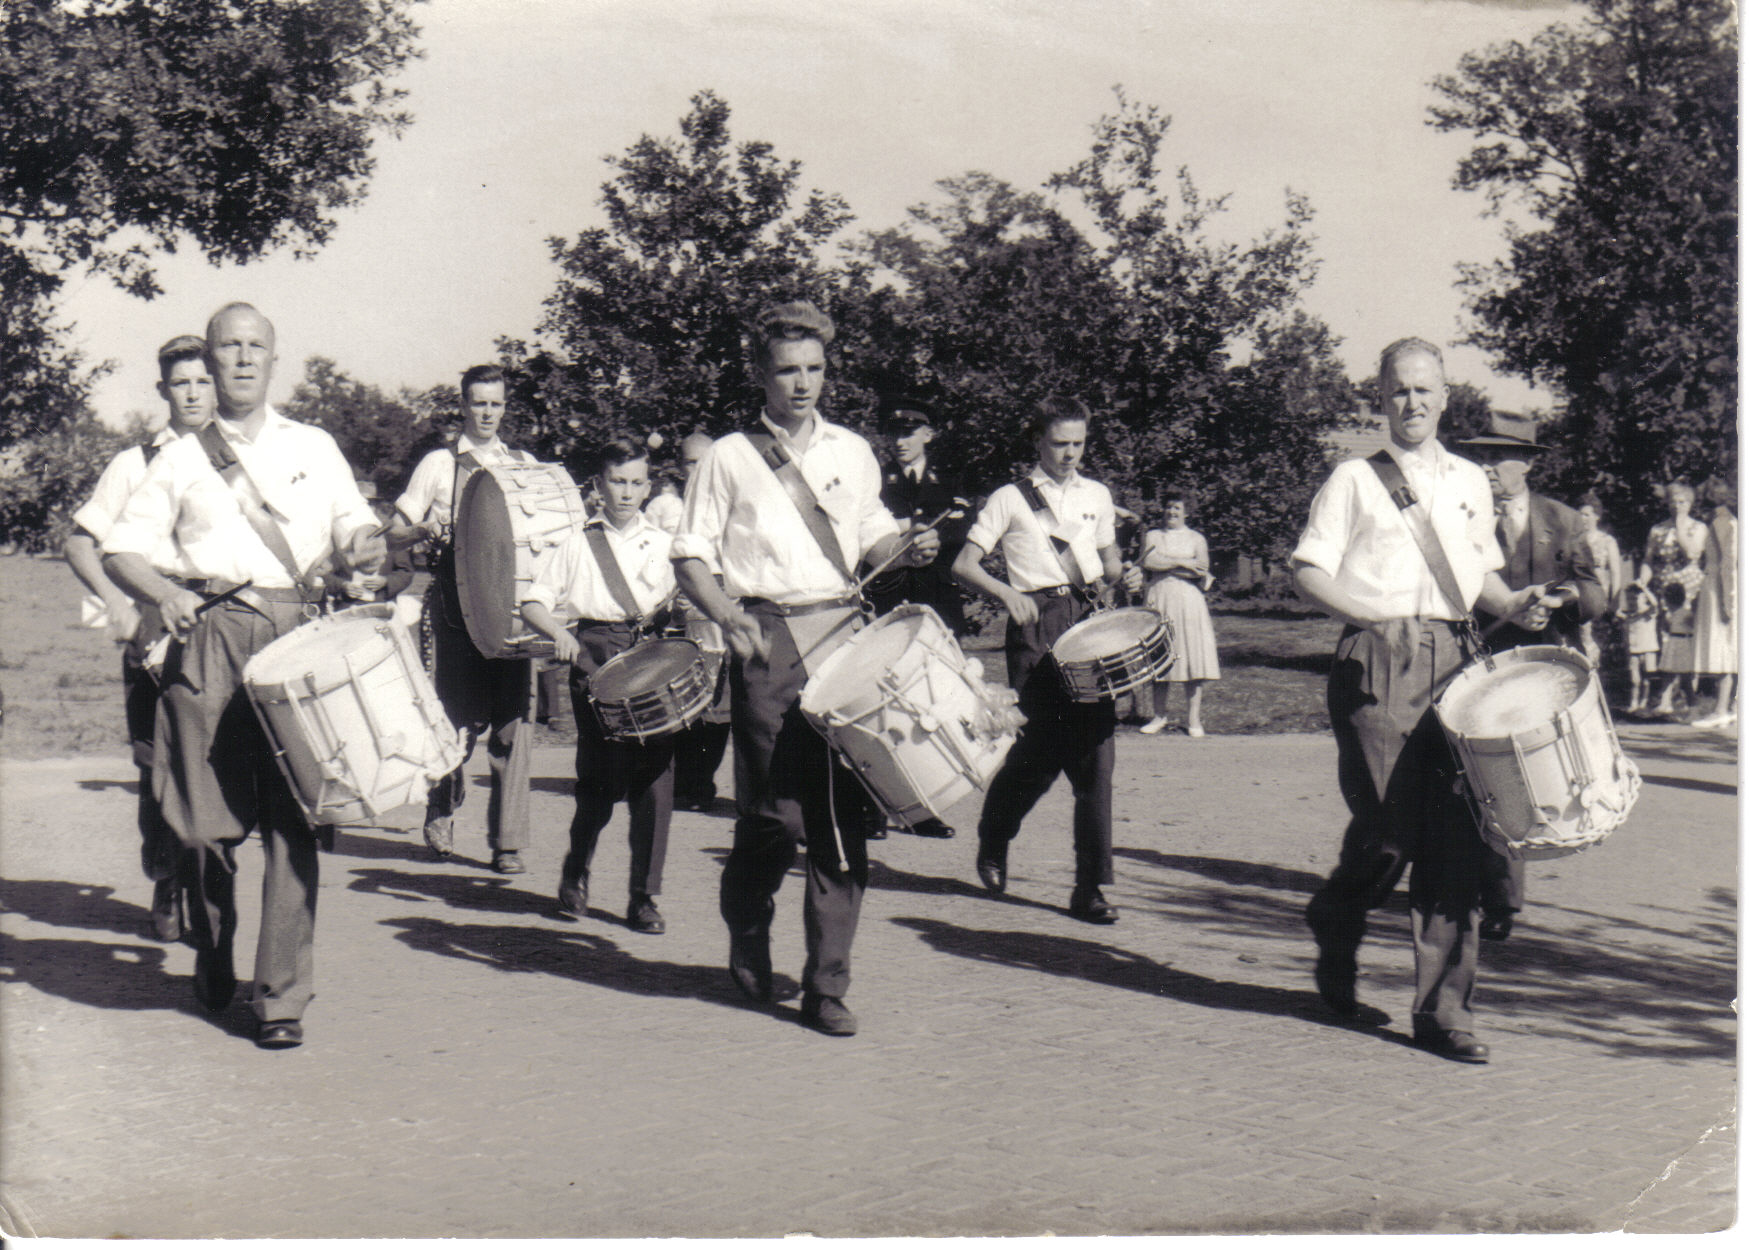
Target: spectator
<point>1715,625</point>
<point>1606,556</point>
<point>1177,563</point>
<point>1639,614</point>
<point>1671,570</point>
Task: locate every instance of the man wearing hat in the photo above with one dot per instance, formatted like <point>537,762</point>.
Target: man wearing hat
<point>912,487</point>
<point>1544,544</point>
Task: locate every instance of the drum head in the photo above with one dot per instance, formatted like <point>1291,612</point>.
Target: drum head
<point>644,669</point>
<point>485,563</point>
<point>852,669</point>
<point>1528,687</point>
<point>317,645</point>
<point>1105,633</point>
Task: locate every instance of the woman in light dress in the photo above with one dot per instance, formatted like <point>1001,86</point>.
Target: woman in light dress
<point>1672,571</point>
<point>1715,612</point>
<point>1606,556</point>
<point>1177,563</point>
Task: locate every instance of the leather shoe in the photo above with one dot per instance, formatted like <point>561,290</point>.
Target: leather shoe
<point>1334,977</point>
<point>1452,1044</point>
<point>1090,905</point>
<point>280,1035</point>
<point>877,834</point>
<point>215,981</point>
<point>440,837</point>
<point>828,1015</point>
<point>642,916</point>
<point>574,896</point>
<point>993,872</point>
<point>166,910</point>
<point>750,964</point>
<point>1495,927</point>
<point>932,828</point>
<point>507,863</point>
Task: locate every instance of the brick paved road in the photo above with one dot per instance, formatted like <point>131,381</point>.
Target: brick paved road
<point>477,1066</point>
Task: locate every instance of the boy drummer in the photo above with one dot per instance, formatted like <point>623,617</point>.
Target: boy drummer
<point>609,576</point>
<point>1058,533</point>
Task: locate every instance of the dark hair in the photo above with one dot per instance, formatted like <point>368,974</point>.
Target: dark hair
<point>182,347</point>
<point>1590,499</point>
<point>618,450</point>
<point>1172,495</point>
<point>1052,409</point>
<point>798,319</point>
<point>475,375</point>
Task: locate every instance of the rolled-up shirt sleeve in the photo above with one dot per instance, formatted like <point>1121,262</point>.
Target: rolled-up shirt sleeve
<point>148,519</point>
<point>555,576</point>
<point>416,501</point>
<point>875,522</point>
<point>705,516</point>
<point>1329,525</point>
<point>993,521</point>
<point>98,514</point>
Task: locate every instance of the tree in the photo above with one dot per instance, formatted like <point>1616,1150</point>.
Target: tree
<point>128,127</point>
<point>43,382</point>
<point>1616,141</point>
<point>46,475</point>
<point>644,330</point>
<point>377,434</point>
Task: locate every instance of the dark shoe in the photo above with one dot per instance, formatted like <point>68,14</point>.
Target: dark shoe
<point>828,1015</point>
<point>700,802</point>
<point>1454,1044</point>
<point>215,981</point>
<point>280,1035</point>
<point>993,872</point>
<point>750,964</point>
<point>440,837</point>
<point>642,916</point>
<point>1495,928</point>
<point>877,834</point>
<point>932,828</point>
<point>1090,905</point>
<point>507,863</point>
<point>1334,977</point>
<point>166,910</point>
<point>574,896</point>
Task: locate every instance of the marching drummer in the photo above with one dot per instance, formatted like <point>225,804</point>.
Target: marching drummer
<point>256,502</point>
<point>478,694</point>
<point>785,510</point>
<point>1400,546</point>
<point>1058,532</point>
<point>610,577</point>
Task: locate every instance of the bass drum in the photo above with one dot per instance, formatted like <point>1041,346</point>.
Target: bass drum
<point>512,518</point>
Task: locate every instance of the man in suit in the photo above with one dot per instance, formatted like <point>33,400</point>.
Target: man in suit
<point>1544,544</point>
<point>913,487</point>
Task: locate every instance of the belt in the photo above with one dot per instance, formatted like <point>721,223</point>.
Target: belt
<point>591,624</point>
<point>1051,592</point>
<point>768,608</point>
<point>256,597</point>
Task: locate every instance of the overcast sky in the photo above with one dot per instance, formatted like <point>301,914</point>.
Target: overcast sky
<point>517,102</point>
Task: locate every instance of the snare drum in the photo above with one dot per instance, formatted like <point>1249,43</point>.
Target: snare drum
<point>1112,653</point>
<point>1541,762</point>
<point>654,688</point>
<point>906,710</point>
<point>511,518</point>
<point>352,718</point>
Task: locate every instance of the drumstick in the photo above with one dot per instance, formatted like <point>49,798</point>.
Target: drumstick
<point>224,596</point>
<point>1562,593</point>
<point>956,510</point>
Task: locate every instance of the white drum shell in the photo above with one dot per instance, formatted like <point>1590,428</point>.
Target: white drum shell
<point>896,704</point>
<point>1556,787</point>
<point>352,717</point>
<point>512,519</point>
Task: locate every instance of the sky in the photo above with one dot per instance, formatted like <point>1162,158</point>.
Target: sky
<point>516,103</point>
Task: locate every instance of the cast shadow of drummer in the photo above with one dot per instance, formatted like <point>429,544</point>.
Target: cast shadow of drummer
<point>577,955</point>
<point>461,890</point>
<point>883,876</point>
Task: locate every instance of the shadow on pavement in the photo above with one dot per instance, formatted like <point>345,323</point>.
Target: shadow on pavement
<point>462,890</point>
<point>126,787</point>
<point>72,905</point>
<point>580,956</point>
<point>350,841</point>
<point>1227,871</point>
<point>1688,783</point>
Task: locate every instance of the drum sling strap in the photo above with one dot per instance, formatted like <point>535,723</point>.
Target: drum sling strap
<point>224,461</point>
<point>1390,475</point>
<point>596,533</point>
<point>1047,521</point>
<point>789,476</point>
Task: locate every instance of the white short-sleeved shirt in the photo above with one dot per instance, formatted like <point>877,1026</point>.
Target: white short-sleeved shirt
<point>571,585</point>
<point>742,523</point>
<point>1085,519</point>
<point>1357,535</point>
<point>297,469</point>
<point>431,491</point>
<point>119,480</point>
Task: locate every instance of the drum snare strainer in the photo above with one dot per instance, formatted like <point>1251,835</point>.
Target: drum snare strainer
<point>1543,768</point>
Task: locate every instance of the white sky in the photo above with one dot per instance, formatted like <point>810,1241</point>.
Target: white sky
<point>517,101</point>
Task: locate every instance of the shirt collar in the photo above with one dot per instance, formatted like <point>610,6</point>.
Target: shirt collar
<point>1039,477</point>
<point>464,445</point>
<point>639,523</point>
<point>234,433</point>
<point>1436,463</point>
<point>823,429</point>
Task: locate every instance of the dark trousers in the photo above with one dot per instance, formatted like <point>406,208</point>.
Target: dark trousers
<point>215,779</point>
<point>1399,779</point>
<point>790,788</point>
<point>1060,736</point>
<point>641,774</point>
<point>160,849</point>
<point>698,754</point>
<point>490,697</point>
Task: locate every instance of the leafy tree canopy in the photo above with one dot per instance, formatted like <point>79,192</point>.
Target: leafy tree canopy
<point>1614,141</point>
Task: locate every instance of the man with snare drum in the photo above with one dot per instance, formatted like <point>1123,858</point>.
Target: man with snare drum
<point>609,578</point>
<point>478,694</point>
<point>1058,533</point>
<point>257,503</point>
<point>786,510</point>
<point>1361,559</point>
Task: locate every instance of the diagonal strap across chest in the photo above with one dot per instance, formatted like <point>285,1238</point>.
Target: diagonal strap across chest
<point>789,476</point>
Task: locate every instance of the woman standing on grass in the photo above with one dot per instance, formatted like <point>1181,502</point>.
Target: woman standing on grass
<point>1177,561</point>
